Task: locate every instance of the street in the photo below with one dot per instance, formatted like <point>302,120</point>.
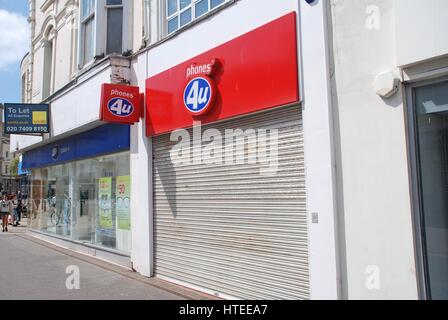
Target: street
<point>33,271</point>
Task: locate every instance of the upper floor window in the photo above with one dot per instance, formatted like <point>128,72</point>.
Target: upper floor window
<point>114,26</point>
<point>179,13</point>
<point>47,63</point>
<point>87,30</point>
<point>106,28</point>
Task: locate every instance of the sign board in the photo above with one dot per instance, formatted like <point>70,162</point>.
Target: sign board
<point>26,118</point>
<point>105,202</point>
<point>107,139</point>
<point>253,72</point>
<point>120,103</point>
<point>199,95</point>
<point>123,202</point>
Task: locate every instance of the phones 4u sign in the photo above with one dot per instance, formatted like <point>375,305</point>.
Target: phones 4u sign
<point>26,118</point>
<point>120,104</point>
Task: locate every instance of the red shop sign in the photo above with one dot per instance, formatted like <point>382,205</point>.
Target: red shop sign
<point>120,103</point>
<point>253,72</point>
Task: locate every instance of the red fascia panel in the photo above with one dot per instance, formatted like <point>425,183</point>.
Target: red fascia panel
<point>253,72</point>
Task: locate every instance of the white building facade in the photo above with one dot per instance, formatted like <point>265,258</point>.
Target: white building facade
<point>352,109</point>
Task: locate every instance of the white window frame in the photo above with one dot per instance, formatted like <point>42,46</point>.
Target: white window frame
<point>178,12</point>
<point>100,30</point>
<point>48,70</point>
<point>146,20</point>
<point>82,21</point>
<point>123,37</point>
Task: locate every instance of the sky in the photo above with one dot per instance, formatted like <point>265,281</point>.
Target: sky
<point>14,44</point>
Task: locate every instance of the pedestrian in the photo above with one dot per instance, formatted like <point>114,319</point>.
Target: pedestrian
<point>20,206</point>
<point>5,210</point>
<point>19,210</point>
<point>15,212</point>
<point>11,216</point>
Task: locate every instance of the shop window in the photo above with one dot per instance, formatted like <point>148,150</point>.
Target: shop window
<point>87,31</point>
<point>114,26</point>
<point>86,201</point>
<point>179,13</point>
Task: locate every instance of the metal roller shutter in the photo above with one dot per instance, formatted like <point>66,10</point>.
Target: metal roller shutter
<point>230,229</point>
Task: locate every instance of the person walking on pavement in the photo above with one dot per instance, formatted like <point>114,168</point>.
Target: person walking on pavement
<point>19,205</point>
<point>5,210</point>
<point>15,212</point>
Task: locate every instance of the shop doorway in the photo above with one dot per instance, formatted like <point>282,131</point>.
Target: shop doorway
<point>429,123</point>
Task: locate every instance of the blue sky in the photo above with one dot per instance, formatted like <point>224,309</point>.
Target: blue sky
<point>14,43</point>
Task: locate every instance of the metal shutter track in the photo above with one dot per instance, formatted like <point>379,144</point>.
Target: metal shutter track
<point>230,229</point>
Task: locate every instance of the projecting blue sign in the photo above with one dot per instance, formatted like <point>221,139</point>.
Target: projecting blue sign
<point>199,94</point>
<point>26,118</point>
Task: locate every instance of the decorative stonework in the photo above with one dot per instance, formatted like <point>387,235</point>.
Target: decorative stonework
<point>46,5</point>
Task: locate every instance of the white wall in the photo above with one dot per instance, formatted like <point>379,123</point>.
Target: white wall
<point>81,105</point>
<point>319,157</point>
<point>141,185</point>
<point>373,182</point>
<point>37,74</point>
<point>63,58</point>
<point>137,25</point>
<point>421,30</point>
<point>40,16</point>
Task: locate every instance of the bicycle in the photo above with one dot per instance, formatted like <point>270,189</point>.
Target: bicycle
<point>56,216</point>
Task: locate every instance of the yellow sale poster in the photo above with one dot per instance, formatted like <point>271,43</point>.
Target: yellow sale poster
<point>123,200</point>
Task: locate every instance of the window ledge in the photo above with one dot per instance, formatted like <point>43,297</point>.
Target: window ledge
<point>90,66</point>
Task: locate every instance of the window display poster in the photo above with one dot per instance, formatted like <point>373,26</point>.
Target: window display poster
<point>123,194</point>
<point>105,202</point>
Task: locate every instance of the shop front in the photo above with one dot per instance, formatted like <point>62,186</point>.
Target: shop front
<point>230,209</point>
<point>80,188</point>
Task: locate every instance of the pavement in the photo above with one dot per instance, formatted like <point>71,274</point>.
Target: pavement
<point>33,269</point>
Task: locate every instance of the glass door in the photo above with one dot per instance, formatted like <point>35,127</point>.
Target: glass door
<point>431,128</point>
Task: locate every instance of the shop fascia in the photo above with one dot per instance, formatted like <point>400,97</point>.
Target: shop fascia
<point>186,96</point>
